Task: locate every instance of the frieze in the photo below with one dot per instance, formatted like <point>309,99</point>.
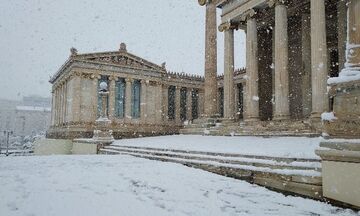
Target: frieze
<point>120,60</point>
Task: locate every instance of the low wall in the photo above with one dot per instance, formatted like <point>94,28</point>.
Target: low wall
<point>53,146</point>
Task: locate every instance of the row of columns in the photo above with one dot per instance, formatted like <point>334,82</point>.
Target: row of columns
<point>318,61</point>
<point>160,103</point>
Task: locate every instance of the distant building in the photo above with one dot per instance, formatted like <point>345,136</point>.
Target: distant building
<point>27,117</point>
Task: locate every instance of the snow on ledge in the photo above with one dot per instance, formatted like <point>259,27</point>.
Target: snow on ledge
<point>328,116</point>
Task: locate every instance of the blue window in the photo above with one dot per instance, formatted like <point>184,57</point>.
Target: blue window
<point>99,105</point>
<point>135,99</point>
<point>120,98</point>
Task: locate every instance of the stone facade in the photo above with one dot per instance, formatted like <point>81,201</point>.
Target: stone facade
<point>292,48</point>
<point>152,100</point>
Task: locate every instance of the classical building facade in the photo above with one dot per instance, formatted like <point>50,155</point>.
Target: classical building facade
<point>144,98</point>
<point>292,48</point>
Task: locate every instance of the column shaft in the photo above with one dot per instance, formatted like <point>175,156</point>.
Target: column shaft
<point>189,104</point>
<point>319,59</point>
<point>165,105</point>
<point>76,98</point>
<point>252,72</point>
<point>143,101</point>
<point>352,65</point>
<point>229,96</point>
<point>210,60</point>
<point>128,99</point>
<point>159,103</point>
<point>282,110</point>
<point>177,104</point>
<point>112,92</point>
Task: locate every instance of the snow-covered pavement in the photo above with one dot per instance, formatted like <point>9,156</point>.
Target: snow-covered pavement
<point>294,147</point>
<point>123,185</point>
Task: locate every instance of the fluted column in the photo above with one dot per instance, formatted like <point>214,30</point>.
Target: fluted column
<point>319,59</point>
<point>56,117</point>
<point>282,109</point>
<point>143,100</point>
<point>352,66</point>
<point>52,107</point>
<point>229,97</point>
<point>128,98</point>
<point>210,60</point>
<point>252,72</point>
<point>76,97</point>
<point>159,103</point>
<point>189,104</point>
<point>112,92</point>
<point>165,105</point>
<point>177,104</point>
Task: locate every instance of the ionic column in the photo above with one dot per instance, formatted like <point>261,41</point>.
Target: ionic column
<point>342,35</point>
<point>282,109</point>
<point>61,104</point>
<point>128,98</point>
<point>352,66</point>
<point>319,59</point>
<point>94,96</point>
<point>252,72</point>
<point>52,107</point>
<point>229,99</point>
<point>177,104</point>
<point>189,104</point>
<point>165,105</point>
<point>76,98</point>
<point>210,60</point>
<point>159,103</point>
<point>143,100</point>
<point>56,122</point>
<point>112,92</point>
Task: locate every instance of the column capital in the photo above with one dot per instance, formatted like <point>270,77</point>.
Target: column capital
<point>129,80</point>
<point>248,15</point>
<point>227,26</point>
<point>273,3</point>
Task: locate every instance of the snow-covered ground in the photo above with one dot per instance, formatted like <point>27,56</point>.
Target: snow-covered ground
<point>295,147</point>
<point>124,185</point>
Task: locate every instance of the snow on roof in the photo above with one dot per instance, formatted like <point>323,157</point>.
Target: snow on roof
<point>33,108</point>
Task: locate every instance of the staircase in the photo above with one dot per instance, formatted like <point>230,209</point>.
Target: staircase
<point>226,127</point>
<point>289,175</point>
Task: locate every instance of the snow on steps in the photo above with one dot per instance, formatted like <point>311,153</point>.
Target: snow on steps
<point>290,175</point>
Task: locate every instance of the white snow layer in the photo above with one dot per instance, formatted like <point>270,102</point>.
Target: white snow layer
<point>290,147</point>
<point>328,116</point>
<point>123,185</point>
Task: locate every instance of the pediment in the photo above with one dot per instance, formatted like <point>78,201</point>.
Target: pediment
<point>122,59</point>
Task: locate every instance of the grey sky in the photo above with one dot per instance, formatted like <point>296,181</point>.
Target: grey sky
<point>36,35</point>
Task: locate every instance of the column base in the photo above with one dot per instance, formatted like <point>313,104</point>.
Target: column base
<point>251,119</point>
<point>281,118</point>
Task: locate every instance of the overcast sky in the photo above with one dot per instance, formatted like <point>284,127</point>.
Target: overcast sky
<point>36,36</point>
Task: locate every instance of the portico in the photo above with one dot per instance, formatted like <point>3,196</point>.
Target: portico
<point>292,47</point>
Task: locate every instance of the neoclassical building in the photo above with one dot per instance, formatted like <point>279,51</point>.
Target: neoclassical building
<point>144,98</point>
<point>292,48</point>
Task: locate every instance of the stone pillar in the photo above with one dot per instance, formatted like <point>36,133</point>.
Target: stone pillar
<point>189,104</point>
<point>61,103</point>
<point>252,72</point>
<point>143,100</point>
<point>112,92</point>
<point>128,98</point>
<point>319,59</point>
<point>352,66</point>
<point>306,62</point>
<point>342,29</point>
<point>56,111</point>
<point>210,60</point>
<point>282,109</point>
<point>159,103</point>
<point>76,98</point>
<point>165,105</point>
<point>229,100</point>
<point>52,107</point>
<point>94,93</point>
<point>177,104</point>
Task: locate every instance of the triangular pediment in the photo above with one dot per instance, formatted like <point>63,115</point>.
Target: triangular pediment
<point>121,59</point>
